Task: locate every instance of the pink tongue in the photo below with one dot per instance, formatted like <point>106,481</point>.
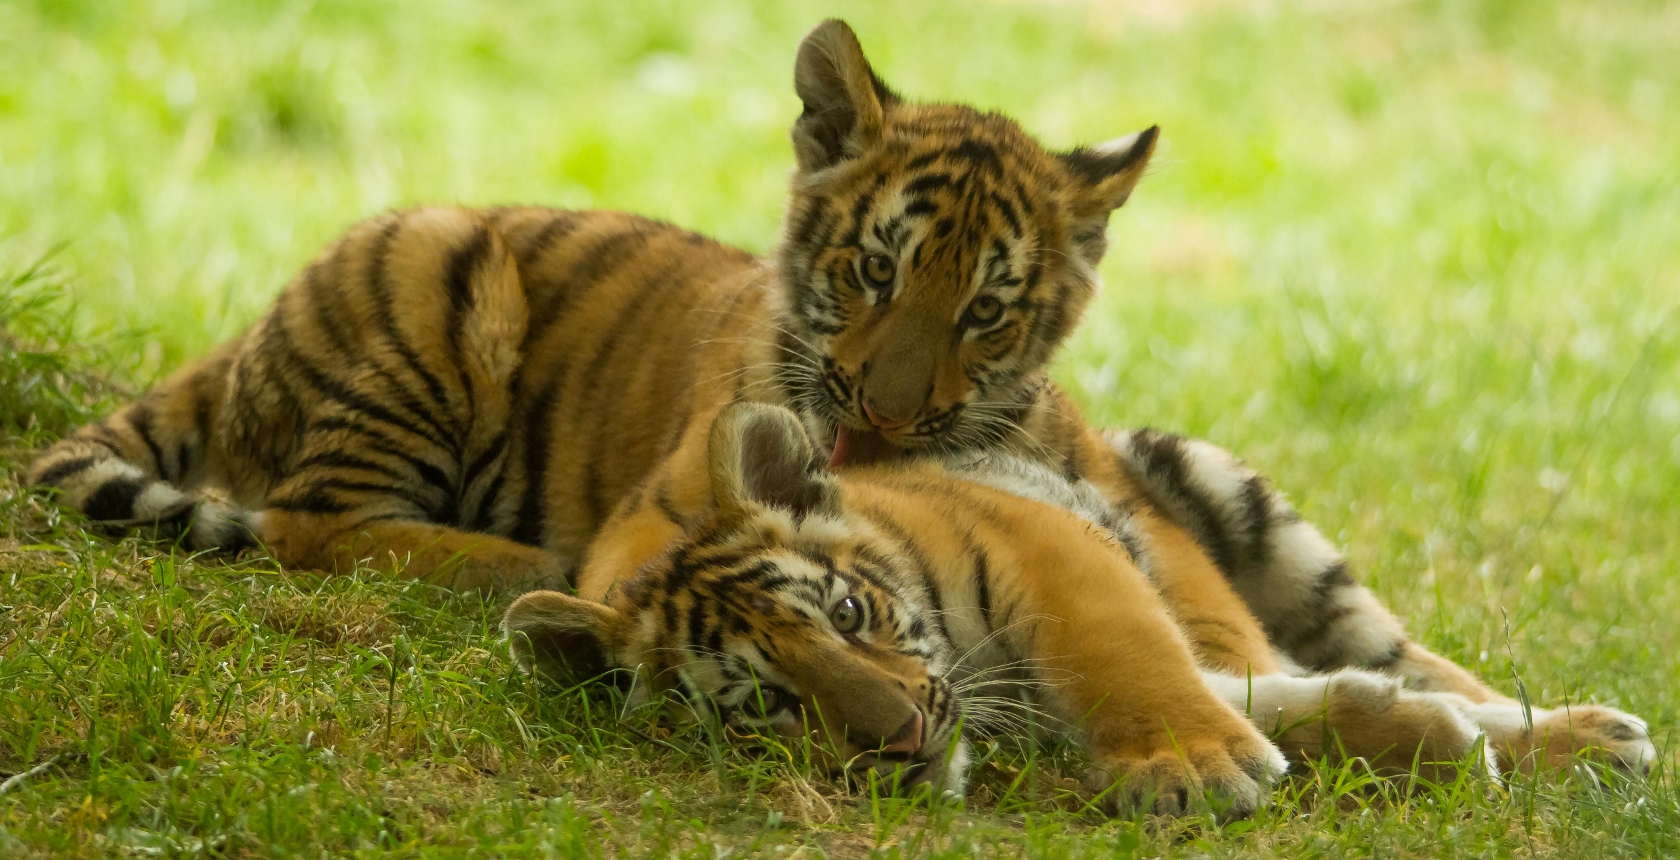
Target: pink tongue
<point>860,448</point>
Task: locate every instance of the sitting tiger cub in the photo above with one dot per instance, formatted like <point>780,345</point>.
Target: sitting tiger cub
<point>881,609</point>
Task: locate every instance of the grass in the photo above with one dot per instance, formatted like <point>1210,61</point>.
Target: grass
<point>1419,261</point>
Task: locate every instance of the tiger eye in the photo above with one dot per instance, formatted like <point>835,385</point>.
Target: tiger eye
<point>847,615</point>
<point>984,310</point>
<point>878,268</point>
<point>766,701</point>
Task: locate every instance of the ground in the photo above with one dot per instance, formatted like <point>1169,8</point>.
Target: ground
<point>1419,261</point>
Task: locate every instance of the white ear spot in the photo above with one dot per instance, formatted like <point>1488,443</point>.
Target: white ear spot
<point>1117,145</point>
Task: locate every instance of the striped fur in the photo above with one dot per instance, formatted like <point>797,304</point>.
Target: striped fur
<point>478,397</point>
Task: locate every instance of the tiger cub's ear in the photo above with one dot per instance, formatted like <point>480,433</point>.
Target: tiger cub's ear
<point>760,457</point>
<point>845,103</point>
<point>560,636</point>
<point>1104,175</point>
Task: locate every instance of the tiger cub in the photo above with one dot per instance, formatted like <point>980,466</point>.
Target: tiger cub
<point>884,610</point>
<point>475,397</point>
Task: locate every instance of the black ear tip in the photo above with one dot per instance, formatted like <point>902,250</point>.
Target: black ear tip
<point>1145,142</point>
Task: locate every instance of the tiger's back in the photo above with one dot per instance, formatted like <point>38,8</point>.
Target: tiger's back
<point>509,372</point>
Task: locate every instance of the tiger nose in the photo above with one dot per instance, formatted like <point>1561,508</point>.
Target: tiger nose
<point>883,422</point>
<point>908,739</point>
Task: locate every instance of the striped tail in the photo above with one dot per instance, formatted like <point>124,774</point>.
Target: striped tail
<point>1293,579</point>
<point>137,467</point>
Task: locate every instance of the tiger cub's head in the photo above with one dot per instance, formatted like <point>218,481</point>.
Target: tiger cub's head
<point>782,612</point>
<point>933,256</point>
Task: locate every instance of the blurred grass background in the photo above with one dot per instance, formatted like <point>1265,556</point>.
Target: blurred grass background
<point>1419,261</point>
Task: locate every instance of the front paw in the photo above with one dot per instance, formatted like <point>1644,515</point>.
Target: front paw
<point>1564,737</point>
<point>1226,775</point>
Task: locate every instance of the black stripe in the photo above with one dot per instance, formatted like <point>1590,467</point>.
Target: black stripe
<point>382,289</point>
<point>486,509</point>
<point>560,224</point>
<point>483,460</point>
<point>587,271</point>
<point>922,160</point>
<point>114,500</point>
<point>983,585</point>
<point>917,208</point>
<point>815,210</point>
<point>1257,507</point>
<point>344,460</point>
<point>860,208</point>
<point>919,560</point>
<point>457,280</point>
<point>457,284</point>
<point>333,389</point>
<point>351,486</point>
<point>925,183</point>
<point>696,621</point>
<point>140,421</point>
<point>312,502</point>
<point>755,575</point>
<point>201,408</point>
<point>981,155</point>
<point>1006,210</point>
<point>65,468</point>
<point>1166,465</point>
<point>383,444</point>
<point>667,509</point>
<point>539,430</point>
<point>315,497</point>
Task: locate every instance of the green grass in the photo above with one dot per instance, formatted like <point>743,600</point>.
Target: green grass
<point>1418,261</point>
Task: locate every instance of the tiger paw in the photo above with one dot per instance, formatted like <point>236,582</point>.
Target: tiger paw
<point>1564,737</point>
<point>1227,776</point>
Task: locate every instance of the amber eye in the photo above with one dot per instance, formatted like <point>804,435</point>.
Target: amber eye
<point>766,701</point>
<point>847,615</point>
<point>984,310</point>
<point>878,269</point>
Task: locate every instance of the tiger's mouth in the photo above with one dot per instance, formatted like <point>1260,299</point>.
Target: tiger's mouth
<point>861,448</point>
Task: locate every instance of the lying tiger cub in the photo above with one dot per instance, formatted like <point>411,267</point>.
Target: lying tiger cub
<point>884,609</point>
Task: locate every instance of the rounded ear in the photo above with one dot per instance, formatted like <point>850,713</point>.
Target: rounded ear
<point>759,457</point>
<point>1104,175</point>
<point>845,103</point>
<point>559,636</point>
